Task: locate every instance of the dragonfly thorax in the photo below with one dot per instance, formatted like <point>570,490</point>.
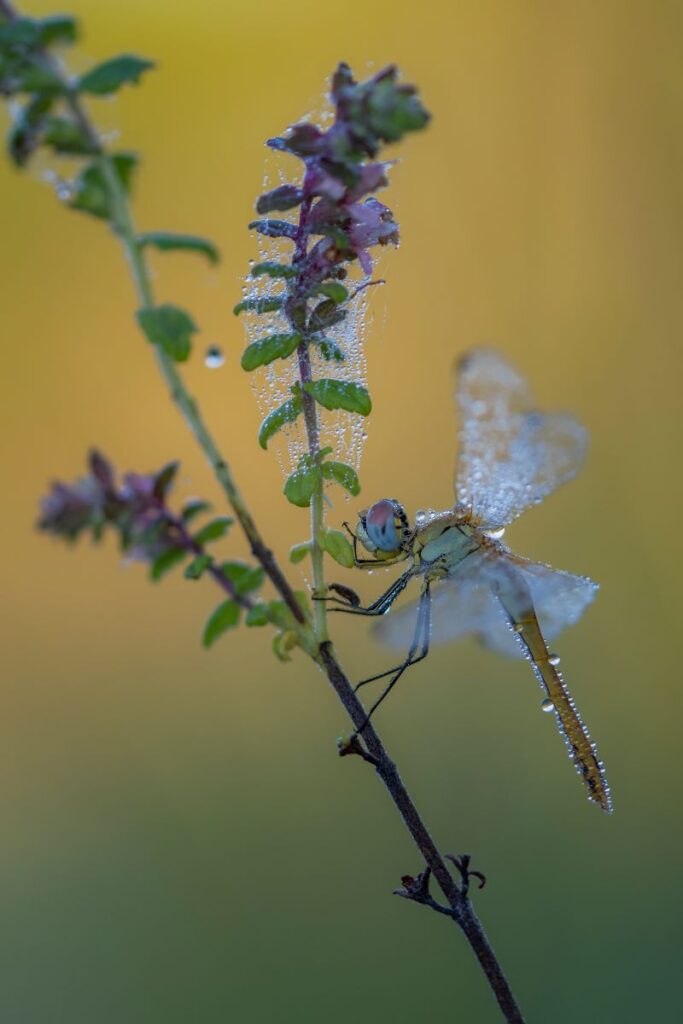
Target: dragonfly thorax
<point>383,529</point>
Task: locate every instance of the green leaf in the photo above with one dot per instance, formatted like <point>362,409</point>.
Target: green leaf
<point>340,394</point>
<point>331,351</point>
<point>163,481</point>
<point>257,616</point>
<point>342,474</point>
<point>225,617</point>
<point>25,134</point>
<point>283,643</point>
<point>274,228</point>
<point>337,545</point>
<point>193,508</point>
<point>36,78</point>
<point>166,561</point>
<point>264,351</point>
<point>167,241</point>
<point>335,291</point>
<point>57,28</point>
<point>302,483</point>
<point>284,197</point>
<point>170,327</point>
<point>214,530</point>
<point>326,314</point>
<point>91,189</point>
<point>262,304</point>
<point>298,552</point>
<point>276,420</point>
<point>23,32</point>
<point>197,567</point>
<point>66,136</point>
<point>243,577</point>
<point>112,74</point>
<point>272,269</point>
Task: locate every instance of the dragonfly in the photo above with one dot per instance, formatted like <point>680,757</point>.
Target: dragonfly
<point>511,457</point>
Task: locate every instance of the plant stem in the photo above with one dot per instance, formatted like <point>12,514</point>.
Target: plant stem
<point>458,900</point>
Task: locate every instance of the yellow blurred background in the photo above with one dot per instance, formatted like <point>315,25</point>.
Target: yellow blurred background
<point>180,841</point>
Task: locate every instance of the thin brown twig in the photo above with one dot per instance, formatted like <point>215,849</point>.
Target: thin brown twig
<point>461,909</point>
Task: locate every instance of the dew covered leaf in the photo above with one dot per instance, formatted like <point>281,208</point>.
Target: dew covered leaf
<point>225,617</point>
<point>333,290</point>
<point>340,394</point>
<point>167,241</point>
<point>112,74</point>
<point>326,314</point>
<point>270,268</point>
<point>262,304</point>
<point>338,547</point>
<point>169,327</point>
<point>265,350</point>
<point>198,567</point>
<point>165,562</point>
<point>276,420</point>
<point>330,350</point>
<point>214,530</point>
<point>91,192</point>
<point>284,197</point>
<point>274,228</point>
<point>301,484</point>
<point>342,474</point>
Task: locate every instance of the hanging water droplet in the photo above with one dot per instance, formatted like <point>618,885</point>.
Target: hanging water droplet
<point>554,659</point>
<point>214,357</point>
<point>547,705</point>
<point>495,534</point>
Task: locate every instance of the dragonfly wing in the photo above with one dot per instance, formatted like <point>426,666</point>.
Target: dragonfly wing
<point>511,456</point>
<point>466,603</point>
<point>459,607</point>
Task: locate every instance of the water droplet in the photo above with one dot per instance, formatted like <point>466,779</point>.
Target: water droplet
<point>547,705</point>
<point>214,357</point>
<point>495,534</point>
<point>554,659</point>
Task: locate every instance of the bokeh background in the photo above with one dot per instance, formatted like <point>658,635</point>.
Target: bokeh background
<point>180,841</point>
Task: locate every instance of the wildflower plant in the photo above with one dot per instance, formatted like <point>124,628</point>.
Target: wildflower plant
<point>303,305</point>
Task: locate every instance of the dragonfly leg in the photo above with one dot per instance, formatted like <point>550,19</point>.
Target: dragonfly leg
<point>420,643</point>
<point>378,607</point>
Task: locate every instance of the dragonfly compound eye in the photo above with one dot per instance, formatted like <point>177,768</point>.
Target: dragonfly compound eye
<point>384,527</point>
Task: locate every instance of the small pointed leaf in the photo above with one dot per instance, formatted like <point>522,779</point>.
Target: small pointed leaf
<point>214,530</point>
<point>298,552</point>
<point>193,508</point>
<point>337,545</point>
<point>257,616</point>
<point>266,350</point>
<point>91,190</point>
<point>342,474</point>
<point>285,197</point>
<point>301,484</point>
<point>272,269</point>
<point>262,304</point>
<point>243,577</point>
<point>197,567</point>
<point>165,562</point>
<point>274,228</point>
<point>168,241</point>
<point>170,327</point>
<point>340,394</point>
<point>112,74</point>
<point>276,420</point>
<point>225,617</point>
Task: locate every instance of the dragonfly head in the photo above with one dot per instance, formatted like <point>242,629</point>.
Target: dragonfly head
<point>383,529</point>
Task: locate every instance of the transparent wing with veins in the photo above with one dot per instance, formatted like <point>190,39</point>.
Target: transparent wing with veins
<point>466,603</point>
<point>511,456</point>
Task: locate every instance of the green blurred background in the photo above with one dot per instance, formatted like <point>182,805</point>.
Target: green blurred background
<point>180,841</point>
